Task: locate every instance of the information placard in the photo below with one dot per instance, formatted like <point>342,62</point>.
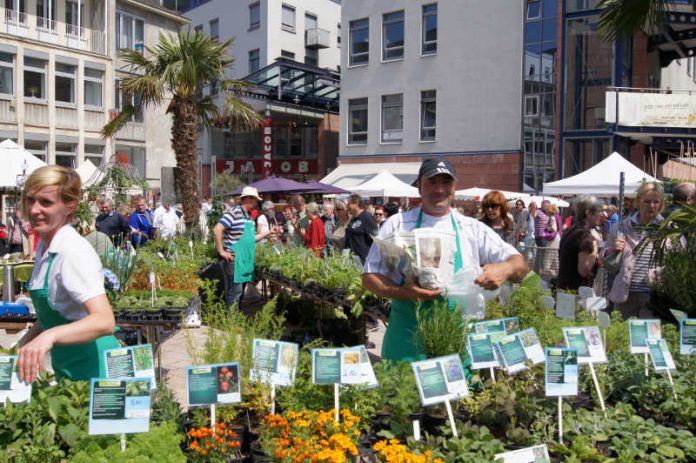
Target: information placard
<point>536,454</point>
<point>274,362</point>
<point>561,372</point>
<point>481,351</point>
<point>587,340</point>
<point>119,405</point>
<point>565,306</point>
<point>642,331</point>
<point>213,384</point>
<point>10,385</point>
<point>687,336</point>
<point>348,365</point>
<point>440,380</point>
<point>130,362</point>
<point>497,328</point>
<point>660,354</point>
<point>532,345</point>
<point>512,353</point>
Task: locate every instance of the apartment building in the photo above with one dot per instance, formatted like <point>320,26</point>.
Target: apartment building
<point>58,69</point>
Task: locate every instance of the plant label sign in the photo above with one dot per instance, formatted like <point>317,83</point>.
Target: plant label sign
<point>481,351</point>
<point>348,365</point>
<point>532,345</point>
<point>536,454</point>
<point>660,354</point>
<point>130,362</point>
<point>498,328</point>
<point>561,372</point>
<point>440,380</point>
<point>687,336</point>
<point>642,331</point>
<point>274,362</point>
<point>119,406</point>
<point>213,384</point>
<point>514,350</point>
<point>588,342</point>
<point>10,385</point>
<point>565,306</point>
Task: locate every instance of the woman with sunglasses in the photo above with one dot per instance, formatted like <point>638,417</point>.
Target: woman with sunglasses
<point>496,214</point>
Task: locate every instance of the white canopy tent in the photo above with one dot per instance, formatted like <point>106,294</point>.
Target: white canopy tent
<point>87,171</point>
<point>479,193</point>
<point>385,184</point>
<point>16,162</point>
<point>348,176</point>
<point>601,179</point>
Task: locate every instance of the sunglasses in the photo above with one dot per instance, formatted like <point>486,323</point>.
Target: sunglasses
<point>491,206</point>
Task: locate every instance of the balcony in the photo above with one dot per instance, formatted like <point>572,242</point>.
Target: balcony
<point>51,31</point>
<point>644,113</point>
<point>317,38</point>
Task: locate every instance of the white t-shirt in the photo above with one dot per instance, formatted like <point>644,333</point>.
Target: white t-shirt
<point>76,274</point>
<point>262,226</point>
<point>166,221</point>
<point>480,245</point>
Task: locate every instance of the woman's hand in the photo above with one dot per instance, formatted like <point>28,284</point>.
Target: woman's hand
<point>619,245</point>
<point>32,356</point>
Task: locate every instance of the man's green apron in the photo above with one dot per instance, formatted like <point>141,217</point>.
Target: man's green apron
<point>245,252</point>
<point>399,340</point>
<point>79,362</point>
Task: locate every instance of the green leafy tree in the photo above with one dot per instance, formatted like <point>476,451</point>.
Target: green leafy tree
<point>174,71</point>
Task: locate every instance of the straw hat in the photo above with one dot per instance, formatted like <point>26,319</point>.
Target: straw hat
<point>250,191</point>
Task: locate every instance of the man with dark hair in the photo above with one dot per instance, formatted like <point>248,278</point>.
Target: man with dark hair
<point>390,209</point>
<point>361,228</point>
<point>379,215</point>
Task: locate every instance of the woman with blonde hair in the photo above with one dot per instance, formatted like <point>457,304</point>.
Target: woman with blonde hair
<point>495,213</point>
<point>75,321</point>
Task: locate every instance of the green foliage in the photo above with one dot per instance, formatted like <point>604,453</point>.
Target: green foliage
<point>475,444</point>
<point>84,218</point>
<point>398,396</point>
<point>441,331</point>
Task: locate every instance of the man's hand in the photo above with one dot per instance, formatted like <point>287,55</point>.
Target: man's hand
<point>228,256</point>
<point>410,291</point>
<point>493,276</point>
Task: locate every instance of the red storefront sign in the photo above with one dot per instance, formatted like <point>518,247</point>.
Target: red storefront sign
<point>278,166</point>
<point>267,146</point>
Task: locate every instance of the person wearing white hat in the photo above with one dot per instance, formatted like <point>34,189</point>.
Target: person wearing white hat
<point>235,241</point>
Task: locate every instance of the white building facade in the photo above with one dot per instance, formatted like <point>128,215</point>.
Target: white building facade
<point>426,78</point>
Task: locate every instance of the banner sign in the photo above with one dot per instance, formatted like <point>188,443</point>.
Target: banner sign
<point>275,362</point>
<point>267,146</point>
<point>348,365</point>
<point>651,109</point>
<point>278,166</point>
<point>213,384</point>
<point>440,379</point>
<point>130,362</point>
<point>119,406</point>
<point>10,385</point>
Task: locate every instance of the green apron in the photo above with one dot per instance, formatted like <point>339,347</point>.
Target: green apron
<point>398,343</point>
<point>245,252</point>
<point>78,362</point>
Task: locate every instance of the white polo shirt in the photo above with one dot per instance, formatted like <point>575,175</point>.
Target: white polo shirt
<point>166,221</point>
<point>480,245</point>
<point>76,274</point>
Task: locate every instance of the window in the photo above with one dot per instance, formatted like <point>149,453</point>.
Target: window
<point>71,17</point>
<point>311,58</point>
<point>287,54</point>
<point>6,74</point>
<point>66,154</point>
<point>135,156</point>
<point>393,35</point>
<point>288,18</point>
<point>310,21</point>
<point>214,29</point>
<point>428,115</point>
<point>359,41</point>
<point>44,15</point>
<point>254,61</point>
<point>13,15</point>
<point>37,148</point>
<point>130,32</point>
<point>94,79</point>
<point>254,16</point>
<point>338,35</point>
<point>34,78</point>
<point>429,32</point>
<point>533,9</point>
<point>65,83</point>
<point>357,121</point>
<point>132,100</point>
<point>94,153</point>
<point>531,105</point>
<point>392,117</point>
<point>198,29</point>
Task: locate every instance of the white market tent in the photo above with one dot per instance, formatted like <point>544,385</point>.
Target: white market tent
<point>348,176</point>
<point>601,179</point>
<point>479,193</point>
<point>16,161</point>
<point>385,184</point>
<point>86,171</point>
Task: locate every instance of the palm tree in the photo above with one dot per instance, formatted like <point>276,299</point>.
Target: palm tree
<point>621,18</point>
<point>178,68</point>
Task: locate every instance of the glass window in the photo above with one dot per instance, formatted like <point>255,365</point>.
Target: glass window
<point>531,105</point>
<point>357,123</point>
<point>288,18</point>
<point>254,15</point>
<point>428,115</point>
<point>94,79</point>
<point>94,153</point>
<point>581,5</point>
<point>198,29</point>
<point>287,54</point>
<point>533,9</point>
<point>66,154</point>
<point>65,83</point>
<point>123,100</point>
<point>34,78</point>
<point>214,28</point>
<point>37,148</point>
<point>254,61</point>
<point>6,74</point>
<point>135,157</point>
<point>130,32</point>
<point>71,17</point>
<point>359,41</point>
<point>393,35</point>
<point>311,58</point>
<point>392,117</point>
<point>429,32</point>
<point>13,15</point>
<point>46,15</point>
<point>310,21</point>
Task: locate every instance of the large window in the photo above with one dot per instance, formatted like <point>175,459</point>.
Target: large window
<point>310,21</point>
<point>94,80</point>
<point>288,18</point>
<point>71,17</point>
<point>34,78</point>
<point>254,60</point>
<point>254,15</point>
<point>130,32</point>
<point>393,35</point>
<point>46,13</point>
<point>428,115</point>
<point>123,100</point>
<point>65,82</point>
<point>66,155</point>
<point>94,153</point>
<point>359,41</point>
<point>6,74</point>
<point>392,117</point>
<point>135,156</point>
<point>37,148</point>
<point>214,29</point>
<point>16,15</point>
<point>357,121</point>
<point>429,32</point>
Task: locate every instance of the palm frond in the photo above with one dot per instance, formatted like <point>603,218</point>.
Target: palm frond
<point>239,115</point>
<point>115,124</point>
<point>622,18</point>
<point>148,87</point>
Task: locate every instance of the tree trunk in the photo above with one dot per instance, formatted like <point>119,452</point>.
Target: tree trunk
<point>184,141</point>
